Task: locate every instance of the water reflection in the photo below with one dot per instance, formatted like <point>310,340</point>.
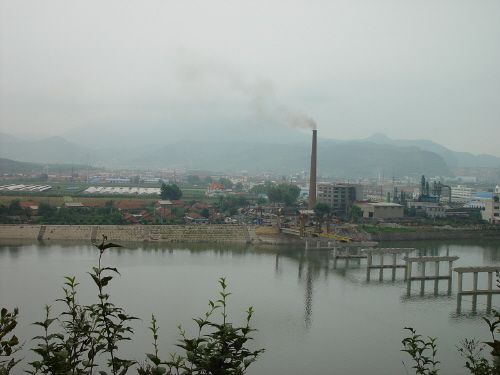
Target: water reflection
<point>314,311</point>
<point>392,272</point>
<point>491,254</point>
<point>473,303</point>
<point>419,286</point>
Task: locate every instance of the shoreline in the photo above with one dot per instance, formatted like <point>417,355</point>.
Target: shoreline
<point>224,233</point>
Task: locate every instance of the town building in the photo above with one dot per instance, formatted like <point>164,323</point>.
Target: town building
<point>382,210</point>
<point>491,210</point>
<point>215,190</point>
<point>339,196</point>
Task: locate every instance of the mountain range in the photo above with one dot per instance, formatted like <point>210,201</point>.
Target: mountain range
<point>272,150</point>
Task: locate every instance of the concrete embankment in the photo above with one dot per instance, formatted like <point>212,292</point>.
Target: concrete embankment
<point>152,233</point>
<point>432,235</point>
<point>212,233</point>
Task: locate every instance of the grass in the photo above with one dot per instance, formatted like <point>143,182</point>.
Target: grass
<point>376,229</point>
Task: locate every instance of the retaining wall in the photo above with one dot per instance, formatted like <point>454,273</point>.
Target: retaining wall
<point>138,233</point>
<point>433,235</point>
<point>206,234</point>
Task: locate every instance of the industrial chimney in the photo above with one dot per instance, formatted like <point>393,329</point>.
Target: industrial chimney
<point>312,177</point>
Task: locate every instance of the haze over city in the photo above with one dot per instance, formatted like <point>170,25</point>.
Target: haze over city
<point>410,70</point>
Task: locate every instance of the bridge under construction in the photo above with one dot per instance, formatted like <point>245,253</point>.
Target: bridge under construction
<point>304,230</point>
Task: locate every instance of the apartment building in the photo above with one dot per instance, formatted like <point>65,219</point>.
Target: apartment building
<point>339,196</point>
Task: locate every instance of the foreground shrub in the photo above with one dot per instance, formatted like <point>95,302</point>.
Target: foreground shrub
<point>83,335</point>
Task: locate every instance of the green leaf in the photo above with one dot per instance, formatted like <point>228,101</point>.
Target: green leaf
<point>109,245</point>
<point>154,359</point>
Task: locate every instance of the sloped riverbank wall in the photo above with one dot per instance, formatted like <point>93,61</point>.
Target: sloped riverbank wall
<point>137,233</point>
<point>208,234</point>
<point>432,235</point>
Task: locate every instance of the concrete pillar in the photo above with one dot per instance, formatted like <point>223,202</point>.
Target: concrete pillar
<point>474,281</point>
<point>369,260</point>
<point>460,282</point>
<point>423,268</point>
<point>490,281</point>
<point>437,269</point>
<point>394,260</point>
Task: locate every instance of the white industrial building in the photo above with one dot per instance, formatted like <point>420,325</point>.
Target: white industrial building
<point>491,210</point>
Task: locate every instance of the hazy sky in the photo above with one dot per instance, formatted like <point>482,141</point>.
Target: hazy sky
<point>411,69</point>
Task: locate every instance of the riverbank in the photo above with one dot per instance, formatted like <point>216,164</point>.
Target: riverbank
<point>433,235</point>
<point>213,233</point>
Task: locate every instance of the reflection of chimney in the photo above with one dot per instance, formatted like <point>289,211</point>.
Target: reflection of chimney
<point>312,177</point>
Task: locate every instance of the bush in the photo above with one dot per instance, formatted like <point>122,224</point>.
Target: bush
<point>86,334</point>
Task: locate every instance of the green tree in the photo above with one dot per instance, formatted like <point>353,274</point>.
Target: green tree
<point>44,177</point>
<point>205,212</point>
<point>258,189</point>
<point>47,210</point>
<point>15,207</point>
<point>355,212</point>
<point>293,190</point>
<point>274,194</point>
<point>226,182</point>
<point>283,193</point>
<point>238,187</point>
<point>321,209</point>
<point>261,201</point>
<point>208,180</point>
<point>170,192</point>
<point>475,214</point>
<point>288,199</point>
<point>4,210</point>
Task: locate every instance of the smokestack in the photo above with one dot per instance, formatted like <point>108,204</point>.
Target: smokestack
<point>312,177</point>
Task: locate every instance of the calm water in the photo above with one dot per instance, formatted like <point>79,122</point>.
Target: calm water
<point>314,316</point>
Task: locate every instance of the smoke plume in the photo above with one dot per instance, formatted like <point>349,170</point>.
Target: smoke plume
<point>266,107</point>
<point>259,93</point>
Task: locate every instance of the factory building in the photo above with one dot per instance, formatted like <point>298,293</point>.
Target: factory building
<point>383,210</point>
<point>463,192</point>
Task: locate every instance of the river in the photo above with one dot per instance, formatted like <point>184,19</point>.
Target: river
<point>313,315</point>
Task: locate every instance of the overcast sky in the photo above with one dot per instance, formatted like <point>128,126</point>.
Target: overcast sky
<point>409,69</point>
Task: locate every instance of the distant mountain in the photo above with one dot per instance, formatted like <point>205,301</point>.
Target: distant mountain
<point>345,160</point>
<point>274,150</point>
<point>452,158</point>
<point>132,133</point>
<point>49,150</point>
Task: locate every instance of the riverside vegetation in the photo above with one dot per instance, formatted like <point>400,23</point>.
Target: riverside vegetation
<point>75,341</point>
<point>83,335</point>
